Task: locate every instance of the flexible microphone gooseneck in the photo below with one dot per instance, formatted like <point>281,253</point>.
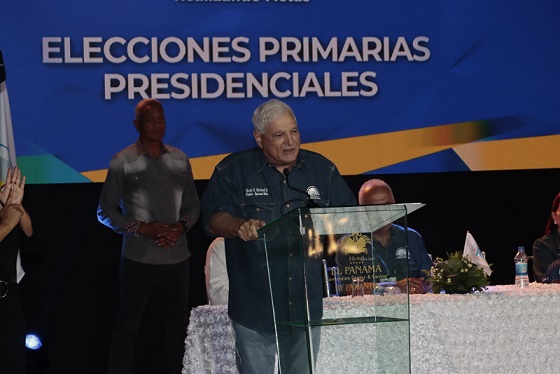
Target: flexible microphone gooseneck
<point>310,202</point>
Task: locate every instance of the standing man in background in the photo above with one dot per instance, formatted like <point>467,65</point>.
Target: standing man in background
<point>233,211</point>
<point>149,196</point>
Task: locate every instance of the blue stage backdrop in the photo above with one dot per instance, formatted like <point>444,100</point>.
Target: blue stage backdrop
<point>385,86</point>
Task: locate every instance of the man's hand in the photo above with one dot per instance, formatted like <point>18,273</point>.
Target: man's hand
<point>169,235</point>
<point>228,226</point>
<point>248,230</point>
<point>415,285</point>
<point>164,235</point>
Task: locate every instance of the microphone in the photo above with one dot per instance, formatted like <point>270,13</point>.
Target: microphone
<point>310,203</point>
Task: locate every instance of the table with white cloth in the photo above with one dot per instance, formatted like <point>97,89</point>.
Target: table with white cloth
<point>502,330</point>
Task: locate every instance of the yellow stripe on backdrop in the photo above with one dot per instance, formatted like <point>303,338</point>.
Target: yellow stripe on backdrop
<point>366,153</point>
<point>539,152</point>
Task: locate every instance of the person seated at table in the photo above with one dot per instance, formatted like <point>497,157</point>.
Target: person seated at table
<point>552,274</point>
<point>386,250</point>
<point>546,249</point>
<point>215,273</point>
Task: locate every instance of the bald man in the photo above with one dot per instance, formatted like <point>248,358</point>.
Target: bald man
<point>385,249</point>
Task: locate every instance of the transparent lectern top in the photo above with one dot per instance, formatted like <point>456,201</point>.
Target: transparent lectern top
<point>364,218</point>
<point>343,220</point>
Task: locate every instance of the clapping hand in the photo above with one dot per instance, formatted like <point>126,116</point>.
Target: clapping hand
<point>11,212</point>
<point>15,182</point>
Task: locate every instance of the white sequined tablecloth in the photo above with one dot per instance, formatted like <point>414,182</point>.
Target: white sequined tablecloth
<point>502,330</point>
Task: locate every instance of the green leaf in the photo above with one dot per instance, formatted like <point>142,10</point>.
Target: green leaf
<point>457,274</point>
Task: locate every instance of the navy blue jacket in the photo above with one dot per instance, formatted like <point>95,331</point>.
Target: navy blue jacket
<point>245,185</point>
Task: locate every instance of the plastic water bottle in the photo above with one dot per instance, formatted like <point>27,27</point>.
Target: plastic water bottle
<point>521,271</point>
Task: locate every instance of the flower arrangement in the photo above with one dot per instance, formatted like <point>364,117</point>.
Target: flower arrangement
<point>457,275</point>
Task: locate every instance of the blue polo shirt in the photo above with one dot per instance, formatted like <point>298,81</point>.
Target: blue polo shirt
<point>245,185</point>
<point>377,263</point>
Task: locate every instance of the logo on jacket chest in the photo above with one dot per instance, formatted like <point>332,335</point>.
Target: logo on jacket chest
<point>256,191</point>
<point>401,254</point>
<point>314,193</point>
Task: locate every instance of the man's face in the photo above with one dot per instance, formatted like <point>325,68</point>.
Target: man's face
<point>280,141</point>
<point>151,124</point>
<point>379,196</point>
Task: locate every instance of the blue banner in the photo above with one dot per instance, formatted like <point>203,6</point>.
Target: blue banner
<point>377,86</point>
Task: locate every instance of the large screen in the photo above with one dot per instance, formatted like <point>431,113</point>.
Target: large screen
<point>377,86</point>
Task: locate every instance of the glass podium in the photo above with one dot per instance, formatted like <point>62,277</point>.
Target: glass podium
<point>296,245</point>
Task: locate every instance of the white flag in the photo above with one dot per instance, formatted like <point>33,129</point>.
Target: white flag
<point>7,146</point>
<point>473,252</point>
